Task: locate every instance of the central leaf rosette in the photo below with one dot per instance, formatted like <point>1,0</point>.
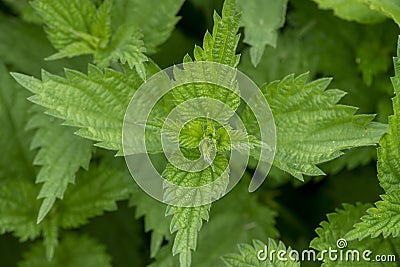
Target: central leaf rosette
<point>191,114</point>
<point>202,136</point>
<point>192,133</point>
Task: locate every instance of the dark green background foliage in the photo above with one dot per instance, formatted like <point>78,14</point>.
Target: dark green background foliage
<point>66,200</point>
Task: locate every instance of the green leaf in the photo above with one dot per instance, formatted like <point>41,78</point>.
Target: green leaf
<point>14,141</point>
<point>127,46</point>
<point>357,10</point>
<point>156,19</point>
<point>364,11</point>
<point>96,102</point>
<point>187,221</point>
<point>191,134</point>
<point>389,152</point>
<point>187,90</point>
<point>221,46</point>
<point>76,251</point>
<point>61,155</point>
<point>261,20</point>
<point>385,217</point>
<point>75,27</point>
<point>338,225</point>
<point>94,192</point>
<point>390,8</point>
<point>248,255</point>
<point>311,127</point>
<point>18,209</point>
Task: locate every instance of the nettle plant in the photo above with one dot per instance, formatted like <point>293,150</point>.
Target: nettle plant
<point>66,192</point>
